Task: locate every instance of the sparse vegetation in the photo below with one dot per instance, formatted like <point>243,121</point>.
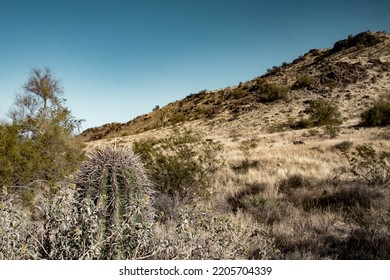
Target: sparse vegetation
<point>324,112</point>
<point>180,165</point>
<point>303,81</point>
<point>370,165</point>
<point>379,113</point>
<point>269,92</point>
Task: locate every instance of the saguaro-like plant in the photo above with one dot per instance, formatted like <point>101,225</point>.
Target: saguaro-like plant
<point>114,178</point>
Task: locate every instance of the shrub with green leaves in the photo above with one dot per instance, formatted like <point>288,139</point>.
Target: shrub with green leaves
<point>180,165</point>
<point>268,91</point>
<point>38,149</point>
<point>324,112</point>
<point>303,81</point>
<point>378,114</point>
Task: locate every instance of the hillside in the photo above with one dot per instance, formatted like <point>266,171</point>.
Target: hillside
<point>353,73</point>
<point>319,193</point>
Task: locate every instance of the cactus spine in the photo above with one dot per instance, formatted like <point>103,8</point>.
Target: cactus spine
<point>115,179</point>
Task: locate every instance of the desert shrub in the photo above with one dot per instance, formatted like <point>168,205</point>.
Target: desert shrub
<point>70,229</point>
<point>378,114</point>
<point>177,117</point>
<point>303,81</point>
<point>269,92</point>
<point>324,112</point>
<point>198,233</point>
<point>38,148</point>
<point>180,165</point>
<point>370,165</point>
<point>246,147</point>
<point>331,130</point>
<point>246,196</point>
<point>15,243</point>
<point>238,93</point>
<point>343,146</point>
<point>300,124</point>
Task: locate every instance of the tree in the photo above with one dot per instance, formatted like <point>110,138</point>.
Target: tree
<point>44,148</point>
<point>43,84</point>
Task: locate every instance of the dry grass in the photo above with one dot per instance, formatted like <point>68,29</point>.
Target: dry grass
<point>301,193</point>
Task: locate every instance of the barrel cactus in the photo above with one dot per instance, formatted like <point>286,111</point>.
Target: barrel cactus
<point>115,180</point>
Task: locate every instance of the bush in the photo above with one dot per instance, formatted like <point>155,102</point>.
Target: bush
<point>324,112</point>
<point>378,114</point>
<point>180,165</point>
<point>39,148</point>
<point>370,165</point>
<point>69,229</point>
<point>303,81</point>
<point>269,92</point>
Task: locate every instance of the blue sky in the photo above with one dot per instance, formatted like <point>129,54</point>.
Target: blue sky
<point>117,59</point>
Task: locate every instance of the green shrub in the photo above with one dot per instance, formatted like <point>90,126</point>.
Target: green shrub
<point>39,148</point>
<point>303,81</point>
<point>180,165</point>
<point>324,112</point>
<point>269,92</point>
<point>378,114</point>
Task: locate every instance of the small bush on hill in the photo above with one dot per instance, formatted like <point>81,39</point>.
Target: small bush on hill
<point>269,92</point>
<point>324,112</point>
<point>378,114</point>
<point>303,81</point>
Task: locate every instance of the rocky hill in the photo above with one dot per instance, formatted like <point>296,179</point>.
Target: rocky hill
<point>352,73</point>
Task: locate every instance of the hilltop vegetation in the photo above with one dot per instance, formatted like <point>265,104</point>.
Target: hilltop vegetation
<point>294,164</point>
<point>352,73</point>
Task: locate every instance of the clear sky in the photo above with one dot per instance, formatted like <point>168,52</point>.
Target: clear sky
<point>117,59</point>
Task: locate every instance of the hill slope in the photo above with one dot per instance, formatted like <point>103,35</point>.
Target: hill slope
<point>307,196</point>
<point>352,73</point>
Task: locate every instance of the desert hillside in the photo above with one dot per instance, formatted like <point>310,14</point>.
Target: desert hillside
<point>353,73</point>
<point>305,183</point>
